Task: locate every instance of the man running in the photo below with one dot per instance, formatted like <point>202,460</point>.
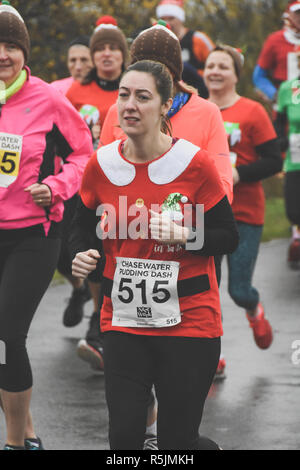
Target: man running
<point>195,45</point>
<point>278,59</point>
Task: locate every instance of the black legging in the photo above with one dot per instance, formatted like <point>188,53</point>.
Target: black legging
<point>27,262</point>
<point>64,265</point>
<point>181,369</point>
<point>292,196</point>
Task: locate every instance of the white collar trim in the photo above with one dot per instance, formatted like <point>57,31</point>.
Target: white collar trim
<point>173,163</point>
<point>162,171</point>
<point>116,169</point>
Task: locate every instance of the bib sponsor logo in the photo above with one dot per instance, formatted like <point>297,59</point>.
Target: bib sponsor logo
<point>144,312</point>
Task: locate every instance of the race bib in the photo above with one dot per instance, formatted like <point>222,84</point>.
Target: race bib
<point>10,156</point>
<point>295,148</point>
<point>144,293</point>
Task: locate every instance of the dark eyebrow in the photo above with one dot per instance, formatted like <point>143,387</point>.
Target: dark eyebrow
<point>139,90</point>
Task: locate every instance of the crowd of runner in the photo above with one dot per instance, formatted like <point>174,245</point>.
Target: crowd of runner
<point>134,177</point>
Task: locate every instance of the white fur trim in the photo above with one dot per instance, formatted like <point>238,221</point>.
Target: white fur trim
<point>170,10</point>
<point>10,9</point>
<point>116,169</point>
<point>105,26</point>
<point>173,163</point>
<point>295,7</point>
<point>292,37</point>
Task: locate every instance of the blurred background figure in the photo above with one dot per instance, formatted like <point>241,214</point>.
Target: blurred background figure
<point>97,92</point>
<point>79,63</point>
<point>277,61</point>
<point>109,52</point>
<point>288,129</point>
<point>255,155</point>
<point>195,45</point>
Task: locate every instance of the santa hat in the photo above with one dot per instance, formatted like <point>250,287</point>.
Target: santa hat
<point>294,6</point>
<point>171,8</point>
<point>288,20</point>
<point>106,19</point>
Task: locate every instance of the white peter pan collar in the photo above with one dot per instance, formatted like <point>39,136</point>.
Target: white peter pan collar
<point>164,170</point>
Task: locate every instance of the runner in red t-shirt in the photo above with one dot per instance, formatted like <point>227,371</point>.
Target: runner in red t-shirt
<point>207,131</point>
<point>278,59</point>
<point>161,309</point>
<point>92,97</point>
<point>255,155</point>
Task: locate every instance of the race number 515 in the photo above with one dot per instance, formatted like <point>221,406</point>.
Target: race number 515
<point>127,291</point>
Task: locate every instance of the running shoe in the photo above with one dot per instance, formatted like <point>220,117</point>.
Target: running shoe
<point>220,372</point>
<point>150,442</point>
<point>33,444</point>
<point>91,352</point>
<point>9,447</point>
<point>73,313</point>
<point>90,349</point>
<point>262,330</point>
<point>294,254</point>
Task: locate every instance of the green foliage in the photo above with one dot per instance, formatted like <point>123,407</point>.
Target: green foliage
<point>244,24</point>
<point>52,25</point>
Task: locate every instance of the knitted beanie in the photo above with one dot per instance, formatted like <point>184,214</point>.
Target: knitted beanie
<point>13,28</point>
<point>160,44</point>
<point>107,31</point>
<point>172,8</point>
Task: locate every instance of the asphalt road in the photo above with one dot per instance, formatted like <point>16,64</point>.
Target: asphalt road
<point>257,406</point>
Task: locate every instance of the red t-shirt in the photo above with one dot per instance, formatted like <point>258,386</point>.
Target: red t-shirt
<point>109,176</point>
<point>92,94</point>
<point>278,56</point>
<point>251,126</point>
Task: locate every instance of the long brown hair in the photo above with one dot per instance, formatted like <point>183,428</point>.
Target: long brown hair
<point>163,81</point>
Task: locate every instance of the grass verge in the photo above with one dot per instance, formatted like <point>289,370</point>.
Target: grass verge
<point>276,223</point>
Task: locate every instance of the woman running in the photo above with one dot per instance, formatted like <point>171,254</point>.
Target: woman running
<point>161,309</point>
<point>99,90</point>
<point>36,124</point>
<point>255,155</point>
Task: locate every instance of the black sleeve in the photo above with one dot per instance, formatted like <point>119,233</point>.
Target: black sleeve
<point>83,230</point>
<point>280,125</point>
<point>268,165</point>
<point>220,231</point>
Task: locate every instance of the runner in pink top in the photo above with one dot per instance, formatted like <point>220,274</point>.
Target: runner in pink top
<point>36,124</point>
